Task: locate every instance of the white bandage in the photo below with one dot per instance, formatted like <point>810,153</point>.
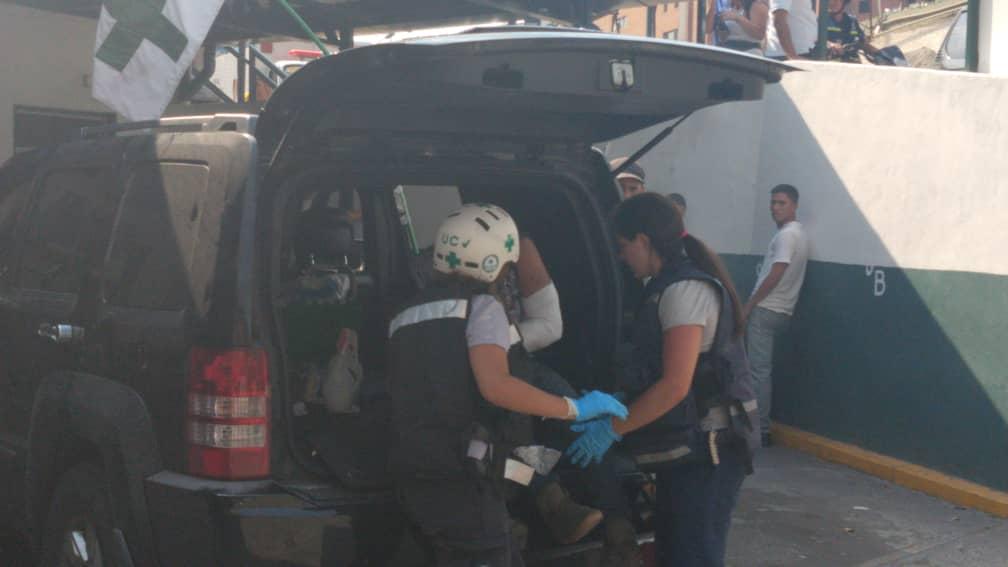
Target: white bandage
<point>542,324</point>
<point>572,412</point>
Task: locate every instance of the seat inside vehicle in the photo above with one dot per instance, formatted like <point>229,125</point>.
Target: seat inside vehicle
<point>353,250</point>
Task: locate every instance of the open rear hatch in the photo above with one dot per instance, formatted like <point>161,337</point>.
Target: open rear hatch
<point>490,90</point>
<point>548,85</point>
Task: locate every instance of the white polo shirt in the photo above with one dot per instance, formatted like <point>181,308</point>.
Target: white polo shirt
<point>802,22</point>
<point>789,246</point>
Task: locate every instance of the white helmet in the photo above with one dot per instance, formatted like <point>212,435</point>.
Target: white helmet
<point>476,241</point>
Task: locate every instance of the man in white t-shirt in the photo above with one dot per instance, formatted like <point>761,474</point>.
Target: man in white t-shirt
<point>772,303</point>
<point>792,30</point>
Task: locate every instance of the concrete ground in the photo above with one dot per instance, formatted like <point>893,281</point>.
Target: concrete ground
<point>798,510</point>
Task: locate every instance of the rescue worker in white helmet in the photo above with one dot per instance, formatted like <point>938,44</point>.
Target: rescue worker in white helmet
<point>451,388</point>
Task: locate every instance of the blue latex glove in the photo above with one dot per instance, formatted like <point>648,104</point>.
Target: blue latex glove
<point>596,438</point>
<point>597,404</point>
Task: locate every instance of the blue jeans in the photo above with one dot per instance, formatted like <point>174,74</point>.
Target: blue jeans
<point>694,506</point>
<point>763,327</point>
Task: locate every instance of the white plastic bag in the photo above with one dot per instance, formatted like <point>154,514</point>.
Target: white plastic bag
<point>343,375</point>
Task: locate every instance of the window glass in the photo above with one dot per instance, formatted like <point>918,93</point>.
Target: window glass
<point>38,127</point>
<point>956,46</point>
<point>155,238</point>
<point>68,228</point>
<point>422,208</point>
<point>16,181</point>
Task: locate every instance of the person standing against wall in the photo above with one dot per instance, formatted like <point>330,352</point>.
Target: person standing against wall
<point>792,29</point>
<point>772,303</point>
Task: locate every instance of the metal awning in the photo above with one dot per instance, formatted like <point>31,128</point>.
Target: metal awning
<point>243,19</point>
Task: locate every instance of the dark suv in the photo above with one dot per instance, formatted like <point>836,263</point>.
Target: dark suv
<point>159,379</point>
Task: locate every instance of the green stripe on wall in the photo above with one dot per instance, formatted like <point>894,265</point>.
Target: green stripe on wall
<point>910,363</point>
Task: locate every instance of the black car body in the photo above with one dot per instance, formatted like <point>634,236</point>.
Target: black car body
<point>152,404</point>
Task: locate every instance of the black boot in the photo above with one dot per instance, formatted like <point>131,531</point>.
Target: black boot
<point>567,520</point>
<point>621,548</point>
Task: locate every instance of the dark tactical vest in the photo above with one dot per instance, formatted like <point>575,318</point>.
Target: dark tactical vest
<point>722,397</point>
<point>437,407</point>
<point>847,32</point>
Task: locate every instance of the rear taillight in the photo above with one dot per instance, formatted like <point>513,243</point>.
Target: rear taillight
<point>227,424</point>
<point>649,555</point>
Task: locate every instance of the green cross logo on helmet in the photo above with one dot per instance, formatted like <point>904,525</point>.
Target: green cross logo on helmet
<point>476,241</point>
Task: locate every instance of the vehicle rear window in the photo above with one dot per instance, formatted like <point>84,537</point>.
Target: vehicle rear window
<point>68,226</point>
<point>422,208</point>
<point>156,235</point>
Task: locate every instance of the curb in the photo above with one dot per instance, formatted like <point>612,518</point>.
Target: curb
<point>949,488</point>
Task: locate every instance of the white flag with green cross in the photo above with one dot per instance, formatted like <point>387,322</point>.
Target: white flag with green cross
<point>142,49</point>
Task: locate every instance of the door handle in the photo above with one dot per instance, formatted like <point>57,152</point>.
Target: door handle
<point>61,333</point>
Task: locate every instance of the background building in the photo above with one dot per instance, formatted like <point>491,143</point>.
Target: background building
<point>667,20</point>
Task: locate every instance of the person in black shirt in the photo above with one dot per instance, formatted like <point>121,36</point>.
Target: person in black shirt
<point>844,34</point>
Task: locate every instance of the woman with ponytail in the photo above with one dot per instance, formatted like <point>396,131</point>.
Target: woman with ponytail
<point>692,406</point>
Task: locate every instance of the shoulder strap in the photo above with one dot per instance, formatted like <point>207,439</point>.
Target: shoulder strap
<point>431,304</point>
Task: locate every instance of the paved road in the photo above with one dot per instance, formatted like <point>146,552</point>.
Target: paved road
<point>800,511</point>
<point>919,42</point>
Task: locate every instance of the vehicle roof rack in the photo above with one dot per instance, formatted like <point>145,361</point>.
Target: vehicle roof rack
<point>242,123</point>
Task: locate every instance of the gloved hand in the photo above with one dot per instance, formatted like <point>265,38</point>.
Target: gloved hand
<point>596,438</point>
<point>597,404</point>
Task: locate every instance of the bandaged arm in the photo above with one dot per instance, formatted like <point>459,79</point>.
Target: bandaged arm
<point>542,324</point>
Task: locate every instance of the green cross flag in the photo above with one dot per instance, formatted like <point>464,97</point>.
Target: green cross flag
<point>137,20</point>
<point>143,48</point>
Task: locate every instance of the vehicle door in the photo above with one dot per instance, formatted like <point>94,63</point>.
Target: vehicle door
<point>17,180</point>
<point>172,249</point>
<point>51,277</point>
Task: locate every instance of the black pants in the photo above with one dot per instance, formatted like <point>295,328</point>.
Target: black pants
<point>466,522</point>
<point>603,486</point>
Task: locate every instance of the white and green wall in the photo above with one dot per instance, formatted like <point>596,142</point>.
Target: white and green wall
<point>900,340</point>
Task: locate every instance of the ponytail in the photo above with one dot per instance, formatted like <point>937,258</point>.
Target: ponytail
<point>708,261</point>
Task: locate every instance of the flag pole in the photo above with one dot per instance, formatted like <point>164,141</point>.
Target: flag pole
<point>304,27</point>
